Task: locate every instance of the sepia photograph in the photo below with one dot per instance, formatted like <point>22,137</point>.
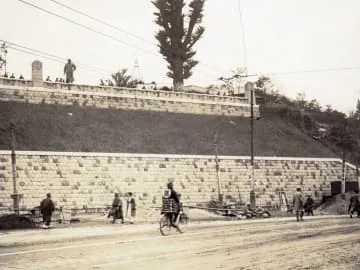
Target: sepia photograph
<point>180,134</point>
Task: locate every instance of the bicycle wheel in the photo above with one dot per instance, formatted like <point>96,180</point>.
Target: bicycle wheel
<point>165,225</point>
<point>183,221</point>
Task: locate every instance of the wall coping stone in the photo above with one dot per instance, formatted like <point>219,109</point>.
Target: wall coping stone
<point>183,97</point>
<point>135,155</point>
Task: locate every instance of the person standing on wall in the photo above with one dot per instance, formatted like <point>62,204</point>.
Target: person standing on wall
<point>69,71</point>
<point>298,204</point>
<point>47,208</point>
<point>132,203</point>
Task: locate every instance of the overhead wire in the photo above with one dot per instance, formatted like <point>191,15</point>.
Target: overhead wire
<point>41,53</point>
<point>243,36</point>
<point>313,71</point>
<point>55,59</point>
<point>102,22</point>
<point>119,29</point>
<point>132,45</point>
<point>102,33</point>
<point>85,27</point>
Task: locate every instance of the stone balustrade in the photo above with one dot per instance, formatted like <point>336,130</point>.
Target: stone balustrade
<point>39,91</point>
<point>146,93</point>
<point>15,82</point>
<point>128,99</point>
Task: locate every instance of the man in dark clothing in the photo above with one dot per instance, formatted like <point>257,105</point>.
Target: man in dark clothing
<point>308,206</point>
<point>117,211</point>
<point>69,71</point>
<point>354,205</point>
<point>298,204</point>
<point>174,215</point>
<point>47,208</point>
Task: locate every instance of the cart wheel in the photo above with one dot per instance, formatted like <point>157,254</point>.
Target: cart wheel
<point>165,225</point>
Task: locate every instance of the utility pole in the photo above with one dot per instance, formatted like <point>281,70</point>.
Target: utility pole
<point>249,87</point>
<point>345,143</point>
<point>15,196</point>
<point>217,167</point>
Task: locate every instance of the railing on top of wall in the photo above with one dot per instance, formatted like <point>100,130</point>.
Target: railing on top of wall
<point>127,91</point>
<point>15,82</point>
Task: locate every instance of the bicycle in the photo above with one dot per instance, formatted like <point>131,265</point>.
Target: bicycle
<point>165,220</point>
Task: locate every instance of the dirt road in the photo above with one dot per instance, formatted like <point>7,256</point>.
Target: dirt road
<point>316,243</point>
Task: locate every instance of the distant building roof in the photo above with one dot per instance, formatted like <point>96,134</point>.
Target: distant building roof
<point>195,88</point>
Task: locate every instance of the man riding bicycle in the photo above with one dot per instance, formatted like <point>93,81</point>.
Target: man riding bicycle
<point>174,198</point>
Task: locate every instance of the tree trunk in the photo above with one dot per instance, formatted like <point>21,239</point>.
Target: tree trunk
<point>178,85</point>
<point>178,80</point>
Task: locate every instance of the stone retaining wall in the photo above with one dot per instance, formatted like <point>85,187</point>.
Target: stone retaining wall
<point>90,179</point>
<point>124,98</point>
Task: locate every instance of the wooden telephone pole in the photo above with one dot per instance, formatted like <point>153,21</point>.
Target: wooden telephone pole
<point>15,196</point>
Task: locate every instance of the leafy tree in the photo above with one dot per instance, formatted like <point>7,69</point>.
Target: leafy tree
<point>357,111</point>
<point>300,100</point>
<point>314,105</point>
<point>328,108</point>
<point>176,40</point>
<point>261,82</point>
<point>121,79</point>
<point>341,136</point>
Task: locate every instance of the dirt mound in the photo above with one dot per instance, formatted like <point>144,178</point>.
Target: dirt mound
<point>12,221</point>
<point>336,205</point>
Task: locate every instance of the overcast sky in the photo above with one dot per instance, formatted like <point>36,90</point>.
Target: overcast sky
<point>280,35</point>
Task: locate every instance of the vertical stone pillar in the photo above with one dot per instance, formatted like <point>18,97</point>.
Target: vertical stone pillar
<point>37,74</point>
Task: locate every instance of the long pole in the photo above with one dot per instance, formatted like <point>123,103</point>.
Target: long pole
<point>13,165</point>
<point>344,145</point>
<point>252,192</point>
<point>217,167</point>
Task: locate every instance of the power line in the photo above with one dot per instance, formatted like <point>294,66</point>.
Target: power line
<point>101,21</point>
<point>85,26</point>
<point>313,71</point>
<point>97,31</point>
<point>119,29</point>
<point>49,56</point>
<point>243,36</point>
<point>59,59</point>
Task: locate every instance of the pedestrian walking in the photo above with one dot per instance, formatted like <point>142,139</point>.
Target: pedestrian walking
<point>309,205</point>
<point>117,211</point>
<point>69,71</point>
<point>47,208</point>
<point>131,204</point>
<point>298,204</point>
<point>354,205</point>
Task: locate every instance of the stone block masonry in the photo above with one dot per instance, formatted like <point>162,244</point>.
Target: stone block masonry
<point>78,180</point>
<point>125,98</point>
